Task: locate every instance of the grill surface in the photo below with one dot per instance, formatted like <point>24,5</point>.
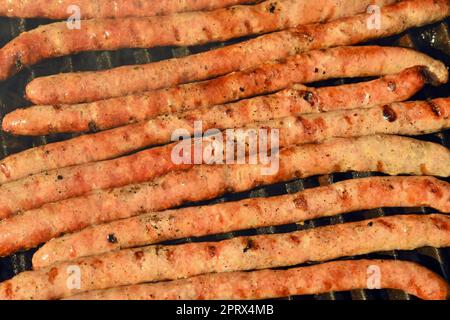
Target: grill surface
<point>433,40</point>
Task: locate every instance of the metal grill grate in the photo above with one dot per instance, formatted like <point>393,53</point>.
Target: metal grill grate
<point>433,40</point>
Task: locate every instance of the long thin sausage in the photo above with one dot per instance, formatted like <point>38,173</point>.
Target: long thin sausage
<point>62,9</point>
<point>389,154</point>
<point>92,86</point>
<point>267,78</point>
<point>156,263</point>
<point>413,118</point>
<point>343,197</point>
<point>290,102</point>
<point>182,29</point>
<point>407,118</point>
<point>268,284</point>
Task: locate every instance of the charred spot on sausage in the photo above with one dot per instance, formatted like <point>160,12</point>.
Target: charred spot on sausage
<point>139,255</point>
<point>18,63</point>
<point>93,126</point>
<point>440,224</point>
<point>294,239</point>
<point>212,251</point>
<point>428,76</point>
<point>230,189</point>
<point>250,245</point>
<point>112,238</point>
<point>386,224</point>
<point>435,108</point>
<point>299,174</point>
<point>248,26</point>
<point>301,202</point>
<point>389,114</point>
<point>208,33</point>
<point>380,166</point>
<point>308,96</point>
<point>434,189</point>
<point>272,7</point>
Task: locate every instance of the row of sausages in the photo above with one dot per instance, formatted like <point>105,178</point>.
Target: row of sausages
<point>100,209</point>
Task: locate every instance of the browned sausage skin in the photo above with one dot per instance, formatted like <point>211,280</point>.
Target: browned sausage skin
<point>269,284</point>
<point>92,86</point>
<point>157,263</point>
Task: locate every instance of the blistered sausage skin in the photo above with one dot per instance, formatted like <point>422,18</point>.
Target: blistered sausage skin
<point>388,154</point>
<point>290,102</point>
<point>414,118</point>
<point>106,8</point>
<point>269,284</point>
<point>182,29</point>
<point>157,263</point>
<point>93,86</point>
<point>343,197</point>
<point>266,78</point>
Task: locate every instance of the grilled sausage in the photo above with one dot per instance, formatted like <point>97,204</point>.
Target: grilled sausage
<point>408,118</point>
<point>343,197</point>
<point>106,8</point>
<point>267,78</point>
<point>156,263</point>
<point>389,154</point>
<point>182,29</point>
<point>92,86</point>
<point>413,118</point>
<point>293,101</point>
<point>269,284</point>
